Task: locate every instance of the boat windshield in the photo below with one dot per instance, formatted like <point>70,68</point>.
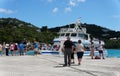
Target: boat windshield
<point>73,34</point>
<point>81,35</point>
<point>67,34</point>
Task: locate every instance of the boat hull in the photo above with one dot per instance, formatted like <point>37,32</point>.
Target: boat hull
<point>86,53</point>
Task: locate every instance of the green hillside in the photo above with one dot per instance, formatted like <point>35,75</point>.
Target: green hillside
<point>14,30</point>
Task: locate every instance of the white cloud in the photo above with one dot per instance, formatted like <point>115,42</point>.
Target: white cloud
<point>68,9</point>
<point>72,3</point>
<point>55,10</point>
<point>6,11</point>
<point>69,5</point>
<point>81,0</point>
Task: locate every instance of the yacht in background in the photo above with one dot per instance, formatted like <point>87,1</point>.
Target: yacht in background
<point>75,33</point>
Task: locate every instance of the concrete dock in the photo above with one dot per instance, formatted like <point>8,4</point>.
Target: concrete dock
<point>51,65</point>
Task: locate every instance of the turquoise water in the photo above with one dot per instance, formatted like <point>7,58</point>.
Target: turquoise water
<point>113,53</point>
<point>110,53</point>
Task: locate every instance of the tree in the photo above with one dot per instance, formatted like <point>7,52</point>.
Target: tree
<point>44,29</point>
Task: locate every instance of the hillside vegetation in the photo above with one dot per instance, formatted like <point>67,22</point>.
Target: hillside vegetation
<point>14,30</point>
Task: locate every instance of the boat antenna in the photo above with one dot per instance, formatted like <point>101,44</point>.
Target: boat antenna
<point>78,23</point>
<point>79,19</point>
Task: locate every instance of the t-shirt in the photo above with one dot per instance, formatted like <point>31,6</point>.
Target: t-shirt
<point>21,46</point>
<point>35,45</point>
<point>100,47</point>
<point>11,47</point>
<point>79,47</point>
<point>68,44</point>
<point>15,47</point>
<point>7,46</point>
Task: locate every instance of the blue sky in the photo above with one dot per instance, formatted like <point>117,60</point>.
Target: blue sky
<point>53,13</point>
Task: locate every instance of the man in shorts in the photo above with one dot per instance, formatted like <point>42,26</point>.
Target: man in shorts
<point>100,49</point>
<point>36,46</point>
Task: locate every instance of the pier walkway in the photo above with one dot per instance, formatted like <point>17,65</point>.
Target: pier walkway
<point>51,65</point>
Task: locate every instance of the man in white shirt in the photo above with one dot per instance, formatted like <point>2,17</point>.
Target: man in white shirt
<point>100,49</point>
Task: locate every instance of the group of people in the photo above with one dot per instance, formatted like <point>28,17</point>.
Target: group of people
<point>14,49</point>
<point>100,50</point>
<point>69,48</point>
<point>10,48</point>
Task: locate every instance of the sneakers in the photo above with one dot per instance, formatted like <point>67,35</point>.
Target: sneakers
<point>69,65</point>
<point>66,65</point>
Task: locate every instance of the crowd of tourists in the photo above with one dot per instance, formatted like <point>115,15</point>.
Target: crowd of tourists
<point>14,49</point>
<point>69,48</point>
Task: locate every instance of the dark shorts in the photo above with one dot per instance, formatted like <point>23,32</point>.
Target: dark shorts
<point>100,51</point>
<point>72,55</point>
<point>80,54</point>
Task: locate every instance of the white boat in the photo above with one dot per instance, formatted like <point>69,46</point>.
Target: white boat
<point>75,33</point>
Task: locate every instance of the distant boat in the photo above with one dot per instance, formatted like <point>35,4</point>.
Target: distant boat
<point>75,33</point>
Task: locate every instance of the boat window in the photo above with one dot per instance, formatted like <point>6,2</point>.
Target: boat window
<point>74,34</point>
<point>56,42</point>
<point>62,34</point>
<point>86,37</point>
<point>67,34</point>
<point>81,35</point>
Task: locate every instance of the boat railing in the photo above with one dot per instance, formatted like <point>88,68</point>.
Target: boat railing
<point>82,30</point>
